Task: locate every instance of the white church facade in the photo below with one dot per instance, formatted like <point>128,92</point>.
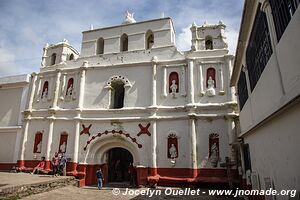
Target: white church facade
<point>131,97</point>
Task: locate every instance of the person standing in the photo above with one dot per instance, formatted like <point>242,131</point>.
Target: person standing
<point>55,164</point>
<point>132,174</point>
<point>100,178</point>
<point>62,165</point>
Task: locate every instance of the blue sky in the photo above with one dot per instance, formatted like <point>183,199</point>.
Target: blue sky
<point>27,25</point>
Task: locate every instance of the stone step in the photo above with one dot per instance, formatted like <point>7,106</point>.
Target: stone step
<point>18,191</point>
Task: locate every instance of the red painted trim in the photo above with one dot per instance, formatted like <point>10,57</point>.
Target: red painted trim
<point>7,166</point>
<point>162,176</point>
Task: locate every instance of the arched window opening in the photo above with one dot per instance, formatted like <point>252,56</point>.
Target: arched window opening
<point>149,39</point>
<point>63,142</point>
<point>71,57</point>
<point>211,77</point>
<point>45,90</point>
<point>117,96</point>
<point>208,43</point>
<point>100,46</point>
<point>53,59</point>
<point>37,148</point>
<point>173,82</point>
<point>70,87</point>
<point>124,42</point>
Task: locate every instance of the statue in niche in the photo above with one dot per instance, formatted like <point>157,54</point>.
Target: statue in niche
<point>173,151</point>
<point>69,92</point>
<point>214,156</point>
<point>38,147</point>
<point>173,88</point>
<point>45,94</point>
<point>210,87</point>
<point>62,147</point>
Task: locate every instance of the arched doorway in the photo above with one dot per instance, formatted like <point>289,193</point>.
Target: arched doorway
<point>118,163</point>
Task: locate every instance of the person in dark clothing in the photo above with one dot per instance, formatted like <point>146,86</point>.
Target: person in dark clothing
<point>132,174</point>
<point>100,178</point>
<point>62,165</point>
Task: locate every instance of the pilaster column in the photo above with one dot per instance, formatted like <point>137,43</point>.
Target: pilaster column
<point>37,94</point>
<point>154,77</point>
<point>56,89</point>
<point>245,70</point>
<point>182,79</point>
<point>201,92</point>
<point>191,99</point>
<point>192,127</point>
<point>76,143</point>
<point>164,83</point>
<point>24,141</point>
<point>271,26</point>
<point>49,142</point>
<point>231,90</point>
<point>221,92</point>
<point>82,85</point>
<point>63,88</point>
<point>45,49</point>
<point>153,149</point>
<point>31,98</point>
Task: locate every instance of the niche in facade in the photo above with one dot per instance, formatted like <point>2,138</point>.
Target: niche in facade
<point>173,83</point>
<point>100,46</point>
<point>208,43</point>
<point>71,57</point>
<point>211,81</point>
<point>124,43</point>
<point>117,94</point>
<point>214,154</point>
<point>172,146</point>
<point>63,142</point>
<point>53,59</point>
<point>45,91</point>
<point>149,39</point>
<point>37,147</point>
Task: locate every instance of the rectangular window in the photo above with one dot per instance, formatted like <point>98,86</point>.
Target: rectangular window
<point>242,90</point>
<point>259,49</point>
<point>282,11</point>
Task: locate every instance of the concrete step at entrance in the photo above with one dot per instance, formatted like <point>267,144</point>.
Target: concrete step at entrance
<point>117,184</point>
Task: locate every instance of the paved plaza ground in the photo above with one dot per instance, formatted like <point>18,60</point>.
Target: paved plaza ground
<point>15,179</point>
<point>92,193</point>
<point>11,181</point>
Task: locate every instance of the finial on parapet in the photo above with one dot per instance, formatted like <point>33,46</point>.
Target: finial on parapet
<point>129,18</point>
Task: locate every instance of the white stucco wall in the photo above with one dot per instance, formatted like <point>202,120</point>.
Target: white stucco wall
<point>13,94</point>
<point>10,106</point>
<point>274,150</point>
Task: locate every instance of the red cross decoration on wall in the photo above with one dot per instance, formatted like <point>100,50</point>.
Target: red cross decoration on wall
<point>144,130</point>
<point>86,130</point>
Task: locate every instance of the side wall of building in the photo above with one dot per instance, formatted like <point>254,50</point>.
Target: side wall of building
<point>13,93</point>
<point>274,150</point>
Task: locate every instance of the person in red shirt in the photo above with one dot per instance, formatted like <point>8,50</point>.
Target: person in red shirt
<point>40,166</point>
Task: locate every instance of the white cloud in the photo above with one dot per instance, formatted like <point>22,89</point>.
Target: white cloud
<point>184,39</point>
<point>27,25</point>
